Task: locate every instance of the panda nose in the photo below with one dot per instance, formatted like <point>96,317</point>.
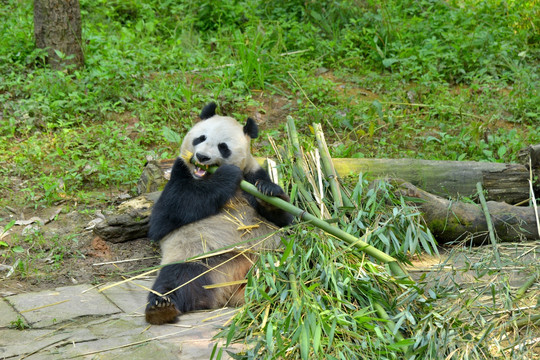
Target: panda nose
<point>202,158</point>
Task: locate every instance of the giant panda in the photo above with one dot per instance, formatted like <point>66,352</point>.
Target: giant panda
<point>200,213</point>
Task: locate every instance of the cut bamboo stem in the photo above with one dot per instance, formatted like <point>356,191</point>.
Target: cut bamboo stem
<point>298,168</point>
<point>328,167</point>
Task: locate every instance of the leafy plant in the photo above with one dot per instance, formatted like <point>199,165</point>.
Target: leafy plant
<point>19,324</point>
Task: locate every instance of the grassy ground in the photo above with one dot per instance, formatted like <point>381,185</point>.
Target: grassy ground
<point>428,79</point>
<point>453,80</point>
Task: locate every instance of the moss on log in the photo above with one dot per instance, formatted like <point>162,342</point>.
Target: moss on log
<point>503,182</point>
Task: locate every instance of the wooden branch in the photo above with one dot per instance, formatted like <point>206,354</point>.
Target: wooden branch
<point>453,220</point>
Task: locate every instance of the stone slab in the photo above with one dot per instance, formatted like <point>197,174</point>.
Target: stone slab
<point>130,297</point>
<point>118,337</point>
<point>194,333</point>
<point>112,337</point>
<point>49,307</point>
<point>7,314</point>
<point>21,342</point>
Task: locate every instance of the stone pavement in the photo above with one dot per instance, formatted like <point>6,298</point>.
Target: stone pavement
<point>81,322</point>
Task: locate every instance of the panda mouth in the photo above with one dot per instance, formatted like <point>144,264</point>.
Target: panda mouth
<point>198,172</point>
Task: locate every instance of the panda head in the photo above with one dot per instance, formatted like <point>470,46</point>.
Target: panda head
<point>217,140</point>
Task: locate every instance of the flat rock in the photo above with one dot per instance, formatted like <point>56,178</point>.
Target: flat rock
<point>130,297</point>
<point>194,333</point>
<point>22,342</point>
<point>81,322</point>
<point>49,307</point>
<point>7,314</point>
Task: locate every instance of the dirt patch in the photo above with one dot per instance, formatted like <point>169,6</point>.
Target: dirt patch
<point>56,246</point>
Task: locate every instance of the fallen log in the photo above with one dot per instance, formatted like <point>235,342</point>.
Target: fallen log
<point>451,221</point>
<point>502,182</point>
<point>448,220</point>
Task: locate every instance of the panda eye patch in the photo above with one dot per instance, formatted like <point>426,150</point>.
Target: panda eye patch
<point>224,150</point>
<point>199,140</point>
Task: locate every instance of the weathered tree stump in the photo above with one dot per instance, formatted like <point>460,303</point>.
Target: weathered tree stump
<point>57,27</point>
<point>530,157</point>
<point>154,176</point>
<point>130,221</point>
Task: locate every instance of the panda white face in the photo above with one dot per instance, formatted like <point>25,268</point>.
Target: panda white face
<point>216,141</point>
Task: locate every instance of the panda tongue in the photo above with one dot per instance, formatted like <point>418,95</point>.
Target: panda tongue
<point>199,172</point>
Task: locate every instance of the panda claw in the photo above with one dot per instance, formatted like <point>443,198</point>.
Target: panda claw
<point>161,311</point>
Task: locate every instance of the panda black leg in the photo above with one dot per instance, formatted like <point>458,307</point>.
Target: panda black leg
<point>189,297</point>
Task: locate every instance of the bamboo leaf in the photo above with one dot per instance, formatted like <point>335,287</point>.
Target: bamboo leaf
<point>332,332</point>
<point>270,337</point>
<point>317,338</point>
<point>230,334</point>
<point>287,251</point>
<point>304,341</point>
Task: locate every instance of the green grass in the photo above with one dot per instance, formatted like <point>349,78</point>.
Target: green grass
<point>452,80</point>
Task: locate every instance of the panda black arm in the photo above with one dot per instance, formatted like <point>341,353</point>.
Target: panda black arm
<point>185,200</point>
<point>263,183</point>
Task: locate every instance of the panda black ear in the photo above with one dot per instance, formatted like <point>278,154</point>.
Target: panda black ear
<point>251,128</point>
<point>208,111</point>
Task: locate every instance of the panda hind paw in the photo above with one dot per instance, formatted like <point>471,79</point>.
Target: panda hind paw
<point>161,311</point>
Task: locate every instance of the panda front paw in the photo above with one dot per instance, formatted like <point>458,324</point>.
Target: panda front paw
<point>160,310</point>
<point>270,189</point>
<point>230,172</point>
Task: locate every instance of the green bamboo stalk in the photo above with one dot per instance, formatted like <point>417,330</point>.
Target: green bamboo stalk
<point>489,223</point>
<point>328,167</point>
<point>523,321</point>
<point>293,136</point>
<point>307,199</point>
<point>393,264</point>
<point>298,168</point>
<point>395,268</point>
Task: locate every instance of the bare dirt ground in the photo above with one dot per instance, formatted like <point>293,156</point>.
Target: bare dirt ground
<point>64,251</point>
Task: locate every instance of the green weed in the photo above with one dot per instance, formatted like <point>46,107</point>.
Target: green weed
<point>19,324</point>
